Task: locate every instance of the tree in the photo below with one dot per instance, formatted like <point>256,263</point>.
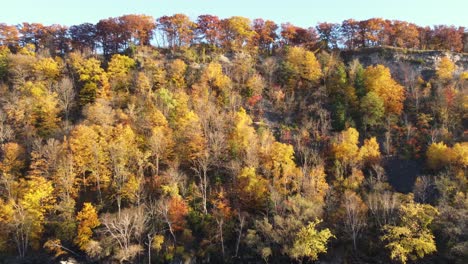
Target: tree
<point>315,186</point>
<point>349,30</point>
<point>297,36</point>
<point>310,242</point>
<point>405,35</point>
<point>243,138</point>
<point>4,52</point>
<point>93,80</point>
<point>412,238</point>
<point>83,37</point>
<point>140,28</point>
<point>119,70</point>
<point>329,34</point>
<point>124,230</point>
<point>45,108</point>
<point>370,151</point>
<point>178,30</point>
<point>446,38</point>
<point>88,220</point>
<point>377,79</point>
<point>176,71</point>
<point>438,155</point>
<point>355,215</point>
<point>90,158</point>
<point>266,34</point>
<point>28,220</point>
<point>9,35</point>
<point>286,230</point>
<point>236,33</point>
<point>209,29</point>
<point>32,33</point>
<point>122,152</point>
<point>303,66</point>
<point>346,149</point>
<point>66,96</point>
<point>112,35</point>
<point>285,175</point>
<point>11,166</point>
<point>47,68</point>
<point>445,69</point>
<point>214,77</point>
<point>372,109</point>
<point>160,142</point>
<point>252,189</point>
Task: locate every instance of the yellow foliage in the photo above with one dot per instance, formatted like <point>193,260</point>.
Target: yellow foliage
<point>87,145</point>
<point>157,243</point>
<point>120,66</point>
<point>370,151</point>
<point>354,181</point>
<point>37,199</point>
<point>316,186</point>
<point>304,63</point>
<point>177,69</point>
<point>310,242</point>
<point>438,155</point>
<point>213,75</point>
<point>54,246</point>
<point>243,138</point>
<point>13,159</point>
<point>460,154</point>
<point>143,83</point>
<point>6,217</point>
<point>47,68</point>
<point>281,165</point>
<point>131,189</point>
<point>88,220</point>
<point>346,149</point>
<point>91,73</point>
<point>445,69</point>
<point>253,188</point>
<point>28,49</point>
<point>378,79</point>
<point>412,238</point>
<point>119,69</point>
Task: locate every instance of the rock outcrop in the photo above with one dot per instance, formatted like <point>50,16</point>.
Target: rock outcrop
<point>406,64</point>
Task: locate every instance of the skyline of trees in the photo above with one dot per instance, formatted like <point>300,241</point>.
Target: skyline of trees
<point>113,35</point>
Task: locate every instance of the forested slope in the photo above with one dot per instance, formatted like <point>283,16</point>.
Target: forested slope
<point>226,140</point>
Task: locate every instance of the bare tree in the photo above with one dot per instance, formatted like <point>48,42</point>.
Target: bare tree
<point>66,95</point>
<point>200,166</point>
<point>241,216</point>
<point>422,188</point>
<point>383,207</point>
<point>125,229</point>
<point>6,132</point>
<point>356,212</point>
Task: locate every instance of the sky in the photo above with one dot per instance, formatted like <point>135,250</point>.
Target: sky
<point>302,13</point>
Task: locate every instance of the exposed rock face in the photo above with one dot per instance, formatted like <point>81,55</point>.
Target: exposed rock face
<point>406,65</point>
<point>465,43</point>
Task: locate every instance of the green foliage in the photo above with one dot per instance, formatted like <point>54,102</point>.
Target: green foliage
<point>372,110</point>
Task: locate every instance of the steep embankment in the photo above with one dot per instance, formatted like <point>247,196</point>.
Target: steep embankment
<point>407,64</point>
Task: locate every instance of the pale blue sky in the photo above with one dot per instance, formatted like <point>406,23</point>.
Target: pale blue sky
<point>299,12</point>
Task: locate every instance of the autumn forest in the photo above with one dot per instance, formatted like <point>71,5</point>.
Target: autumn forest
<point>210,140</point>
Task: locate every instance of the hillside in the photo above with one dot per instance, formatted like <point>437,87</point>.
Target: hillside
<point>234,142</point>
